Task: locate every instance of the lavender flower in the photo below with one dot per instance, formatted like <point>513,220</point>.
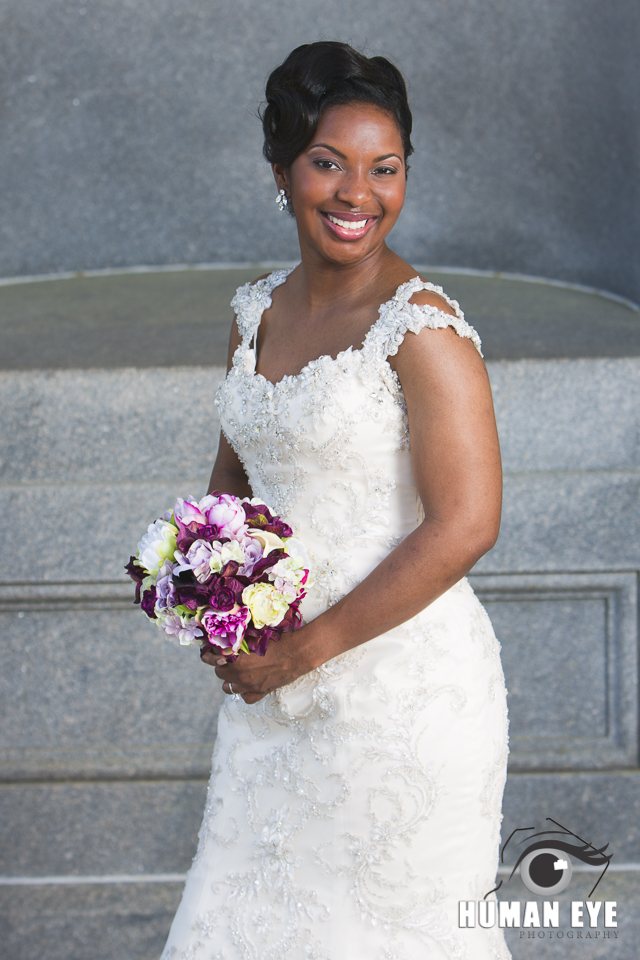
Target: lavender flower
<point>165,589</point>
<point>252,554</point>
<point>183,629</point>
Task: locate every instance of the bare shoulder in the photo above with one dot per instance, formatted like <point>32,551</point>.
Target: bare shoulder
<point>429,298</point>
<point>442,353</point>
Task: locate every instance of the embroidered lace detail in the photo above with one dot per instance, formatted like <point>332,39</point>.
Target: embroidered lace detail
<point>398,316</point>
<point>252,299</point>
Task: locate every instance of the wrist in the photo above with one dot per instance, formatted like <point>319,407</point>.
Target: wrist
<point>311,652</point>
<point>322,640</point>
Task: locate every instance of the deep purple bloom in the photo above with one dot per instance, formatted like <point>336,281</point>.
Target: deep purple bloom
<point>149,603</point>
<point>137,574</point>
<point>261,517</point>
<point>223,595</point>
<point>269,561</point>
<point>191,594</point>
<point>210,532</point>
<point>187,536</point>
<point>259,640</point>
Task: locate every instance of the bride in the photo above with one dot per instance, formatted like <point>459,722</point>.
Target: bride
<point>359,766</point>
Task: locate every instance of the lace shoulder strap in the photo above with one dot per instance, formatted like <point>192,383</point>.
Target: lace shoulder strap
<point>398,316</point>
<point>252,299</point>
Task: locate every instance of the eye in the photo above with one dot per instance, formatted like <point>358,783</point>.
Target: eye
<point>385,170</point>
<point>326,164</point>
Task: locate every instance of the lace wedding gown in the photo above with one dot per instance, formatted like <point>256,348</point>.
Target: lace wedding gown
<point>349,812</point>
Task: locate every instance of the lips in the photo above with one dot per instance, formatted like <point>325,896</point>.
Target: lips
<point>349,226</point>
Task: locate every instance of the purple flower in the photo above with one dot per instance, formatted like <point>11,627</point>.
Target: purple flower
<point>188,511</point>
<point>225,629</point>
<point>223,596</point>
<point>210,532</point>
<point>149,603</point>
<point>137,574</point>
<point>226,513</point>
<point>186,537</point>
<point>191,595</point>
<point>258,515</point>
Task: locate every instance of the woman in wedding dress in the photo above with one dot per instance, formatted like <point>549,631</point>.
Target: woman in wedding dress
<point>359,766</point>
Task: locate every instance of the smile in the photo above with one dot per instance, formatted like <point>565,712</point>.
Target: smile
<point>349,224</point>
<point>350,229</point>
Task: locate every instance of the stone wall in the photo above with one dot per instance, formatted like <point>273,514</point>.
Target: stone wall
<point>128,131</point>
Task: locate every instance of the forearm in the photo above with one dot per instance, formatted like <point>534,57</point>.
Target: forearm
<point>419,570</point>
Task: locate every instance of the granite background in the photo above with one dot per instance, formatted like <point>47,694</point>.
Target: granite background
<point>128,131</point>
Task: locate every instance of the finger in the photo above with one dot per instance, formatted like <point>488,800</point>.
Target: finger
<point>252,697</point>
<point>231,689</point>
<point>210,657</point>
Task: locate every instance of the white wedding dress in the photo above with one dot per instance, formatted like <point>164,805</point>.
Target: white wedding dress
<point>349,812</point>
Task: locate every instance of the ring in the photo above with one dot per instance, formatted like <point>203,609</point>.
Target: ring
<point>230,687</point>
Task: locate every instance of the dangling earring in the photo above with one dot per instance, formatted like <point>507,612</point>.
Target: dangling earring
<point>282,200</point>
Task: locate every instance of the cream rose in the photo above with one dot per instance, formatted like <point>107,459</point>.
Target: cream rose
<point>266,604</point>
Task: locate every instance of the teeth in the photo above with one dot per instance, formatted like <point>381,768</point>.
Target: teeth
<point>348,224</point>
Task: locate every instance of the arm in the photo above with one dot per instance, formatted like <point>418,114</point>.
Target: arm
<point>456,462</point>
<point>228,475</point>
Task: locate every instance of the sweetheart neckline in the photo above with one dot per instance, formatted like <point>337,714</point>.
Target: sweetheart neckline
<point>351,350</point>
<point>323,360</point>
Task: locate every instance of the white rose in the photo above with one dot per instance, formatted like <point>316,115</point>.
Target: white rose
<point>297,550</point>
<point>157,545</point>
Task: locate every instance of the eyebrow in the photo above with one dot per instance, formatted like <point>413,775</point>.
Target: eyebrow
<point>327,146</point>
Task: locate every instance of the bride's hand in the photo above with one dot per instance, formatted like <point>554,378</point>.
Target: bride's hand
<point>253,677</point>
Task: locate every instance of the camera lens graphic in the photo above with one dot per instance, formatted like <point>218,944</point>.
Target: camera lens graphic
<point>546,871</point>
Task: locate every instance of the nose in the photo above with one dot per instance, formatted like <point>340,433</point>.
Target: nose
<point>354,188</point>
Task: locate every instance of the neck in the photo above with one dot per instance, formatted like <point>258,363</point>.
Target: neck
<point>324,282</point>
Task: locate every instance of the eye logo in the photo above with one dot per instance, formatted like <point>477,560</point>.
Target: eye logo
<point>544,869</point>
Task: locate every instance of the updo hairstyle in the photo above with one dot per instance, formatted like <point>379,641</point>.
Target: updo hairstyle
<point>320,75</point>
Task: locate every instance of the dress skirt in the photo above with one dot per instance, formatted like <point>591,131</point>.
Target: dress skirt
<point>350,812</point>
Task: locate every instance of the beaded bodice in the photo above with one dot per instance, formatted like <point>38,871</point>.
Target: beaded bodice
<point>328,449</point>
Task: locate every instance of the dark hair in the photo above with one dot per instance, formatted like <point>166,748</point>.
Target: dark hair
<point>320,75</point>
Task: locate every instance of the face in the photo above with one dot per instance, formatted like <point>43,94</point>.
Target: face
<point>348,186</point>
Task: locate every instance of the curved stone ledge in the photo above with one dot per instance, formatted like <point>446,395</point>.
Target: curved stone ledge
<point>182,318</point>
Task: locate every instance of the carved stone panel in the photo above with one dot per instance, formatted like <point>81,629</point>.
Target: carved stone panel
<point>569,650</point>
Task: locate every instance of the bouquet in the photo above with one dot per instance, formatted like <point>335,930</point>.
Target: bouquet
<point>222,572</point>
